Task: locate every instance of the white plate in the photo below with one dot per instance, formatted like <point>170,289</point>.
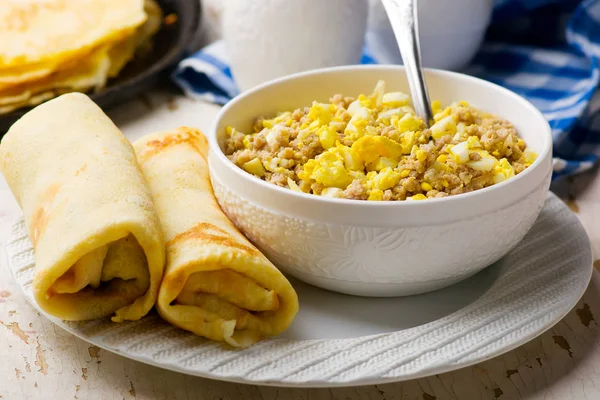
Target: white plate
<point>339,340</point>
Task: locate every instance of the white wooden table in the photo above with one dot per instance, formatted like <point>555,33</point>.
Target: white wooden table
<point>41,361</point>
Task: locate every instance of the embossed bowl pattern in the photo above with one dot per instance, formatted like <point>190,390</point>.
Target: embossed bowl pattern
<point>377,248</point>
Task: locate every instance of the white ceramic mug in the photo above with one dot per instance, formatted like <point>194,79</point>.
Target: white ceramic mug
<point>268,39</point>
<point>451,32</point>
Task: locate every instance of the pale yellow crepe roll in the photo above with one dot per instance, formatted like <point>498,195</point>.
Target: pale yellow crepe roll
<point>99,249</point>
<point>216,283</point>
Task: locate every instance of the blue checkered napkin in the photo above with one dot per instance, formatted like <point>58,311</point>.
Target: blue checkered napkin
<point>547,51</point>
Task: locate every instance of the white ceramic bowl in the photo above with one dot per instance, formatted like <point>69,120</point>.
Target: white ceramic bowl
<point>380,248</point>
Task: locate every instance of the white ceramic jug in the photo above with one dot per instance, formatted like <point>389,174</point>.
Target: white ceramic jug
<point>451,32</point>
<point>267,39</point>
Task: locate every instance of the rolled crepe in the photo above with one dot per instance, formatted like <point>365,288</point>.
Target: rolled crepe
<point>216,284</point>
<point>98,245</point>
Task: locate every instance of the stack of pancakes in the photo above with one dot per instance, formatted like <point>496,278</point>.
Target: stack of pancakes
<point>50,47</point>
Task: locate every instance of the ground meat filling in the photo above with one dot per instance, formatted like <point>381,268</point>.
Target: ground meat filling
<point>376,148</point>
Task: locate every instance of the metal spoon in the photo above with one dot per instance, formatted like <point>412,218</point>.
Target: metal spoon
<point>404,21</point>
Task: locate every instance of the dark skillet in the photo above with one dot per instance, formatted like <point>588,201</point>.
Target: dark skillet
<point>170,45</point>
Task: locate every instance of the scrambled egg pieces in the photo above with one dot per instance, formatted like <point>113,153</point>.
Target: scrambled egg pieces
<point>375,148</point>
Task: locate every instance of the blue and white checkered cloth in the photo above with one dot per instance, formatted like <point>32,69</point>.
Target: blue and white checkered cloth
<point>547,51</point>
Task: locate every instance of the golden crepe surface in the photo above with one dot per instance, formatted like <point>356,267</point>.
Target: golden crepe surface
<point>59,60</point>
<point>216,283</point>
<point>99,248</point>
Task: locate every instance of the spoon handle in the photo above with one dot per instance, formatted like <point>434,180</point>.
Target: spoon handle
<point>404,21</point>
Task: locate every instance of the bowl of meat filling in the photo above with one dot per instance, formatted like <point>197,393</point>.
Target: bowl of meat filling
<point>336,179</point>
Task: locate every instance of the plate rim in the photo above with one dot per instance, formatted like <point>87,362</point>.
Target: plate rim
<point>426,372</point>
